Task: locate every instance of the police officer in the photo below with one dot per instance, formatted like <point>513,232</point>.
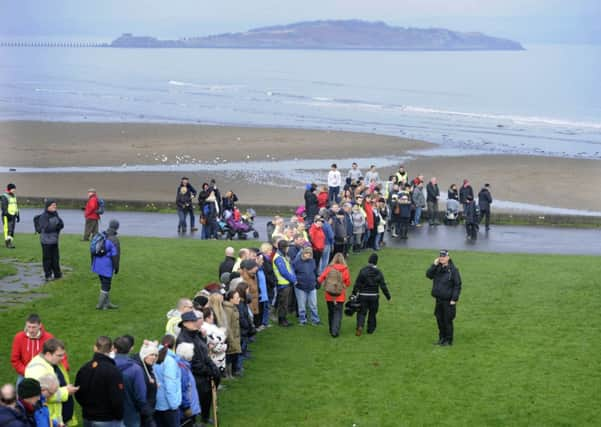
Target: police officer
<point>446,287</point>
<point>10,214</point>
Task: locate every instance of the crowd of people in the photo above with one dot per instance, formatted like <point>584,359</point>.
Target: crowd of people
<point>208,337</point>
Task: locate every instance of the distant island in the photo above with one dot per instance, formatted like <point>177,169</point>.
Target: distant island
<point>348,34</point>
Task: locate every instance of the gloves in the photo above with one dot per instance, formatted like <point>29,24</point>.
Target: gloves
<point>436,261</point>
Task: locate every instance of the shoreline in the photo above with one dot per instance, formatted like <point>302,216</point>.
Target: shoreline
<point>264,166</point>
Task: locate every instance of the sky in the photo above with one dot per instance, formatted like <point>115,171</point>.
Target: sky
<point>527,21</point>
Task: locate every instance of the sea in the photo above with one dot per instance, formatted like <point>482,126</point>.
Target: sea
<point>545,100</point>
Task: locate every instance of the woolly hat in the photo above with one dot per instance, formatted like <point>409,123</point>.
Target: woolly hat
<point>49,202</point>
<point>148,348</point>
<point>29,387</point>
<point>114,224</point>
<point>282,245</point>
<point>200,301</point>
<point>10,186</point>
<point>373,259</point>
<point>225,278</point>
<point>212,288</point>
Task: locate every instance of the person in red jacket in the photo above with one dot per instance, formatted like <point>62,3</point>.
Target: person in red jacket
<point>336,304</point>
<point>318,238</point>
<point>369,234</point>
<point>322,198</point>
<point>28,343</point>
<point>91,215</point>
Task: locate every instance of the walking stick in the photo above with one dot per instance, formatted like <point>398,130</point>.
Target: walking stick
<point>214,392</point>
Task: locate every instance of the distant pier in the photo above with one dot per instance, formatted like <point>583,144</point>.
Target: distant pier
<point>52,44</point>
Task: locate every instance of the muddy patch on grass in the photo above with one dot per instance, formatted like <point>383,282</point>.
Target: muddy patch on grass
<point>23,286</point>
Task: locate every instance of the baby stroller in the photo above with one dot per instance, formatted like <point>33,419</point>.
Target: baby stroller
<point>240,225</point>
<point>452,213</point>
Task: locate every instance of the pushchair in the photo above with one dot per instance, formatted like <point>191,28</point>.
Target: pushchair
<point>235,224</point>
<point>451,216</point>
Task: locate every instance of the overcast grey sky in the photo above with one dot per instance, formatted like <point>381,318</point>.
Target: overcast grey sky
<point>524,20</point>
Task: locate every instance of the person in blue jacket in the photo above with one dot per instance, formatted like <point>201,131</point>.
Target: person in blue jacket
<point>305,289</point>
<point>286,280</point>
<point>327,249</point>
<point>135,403</point>
<point>190,406</point>
<point>106,265</point>
<point>169,392</point>
<point>262,321</point>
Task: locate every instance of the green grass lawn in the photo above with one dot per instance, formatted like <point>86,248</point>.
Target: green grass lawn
<point>527,342</point>
<point>6,270</point>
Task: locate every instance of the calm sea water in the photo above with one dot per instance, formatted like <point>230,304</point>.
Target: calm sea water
<point>545,100</point>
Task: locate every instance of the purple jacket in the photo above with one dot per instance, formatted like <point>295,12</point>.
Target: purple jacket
<point>103,265</point>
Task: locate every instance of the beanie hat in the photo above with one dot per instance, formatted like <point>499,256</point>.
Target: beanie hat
<point>282,245</point>
<point>49,202</point>
<point>212,288</point>
<point>29,387</point>
<point>10,186</point>
<point>200,301</point>
<point>225,278</point>
<point>373,259</point>
<point>114,224</point>
<point>148,348</point>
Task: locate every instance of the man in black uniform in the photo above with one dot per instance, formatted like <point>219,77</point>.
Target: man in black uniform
<point>100,385</point>
<point>368,284</point>
<point>484,202</point>
<point>446,287</point>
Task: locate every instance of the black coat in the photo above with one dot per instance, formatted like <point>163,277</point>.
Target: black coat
<point>484,199</point>
<point>369,281</point>
<point>101,391</point>
<point>17,417</point>
<point>311,207</point>
<point>446,281</point>
<point>227,265</point>
<point>202,366</point>
<point>464,192</point>
<point>471,213</point>
<point>433,192</point>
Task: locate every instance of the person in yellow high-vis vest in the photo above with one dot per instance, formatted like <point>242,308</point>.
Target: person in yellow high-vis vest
<point>10,214</point>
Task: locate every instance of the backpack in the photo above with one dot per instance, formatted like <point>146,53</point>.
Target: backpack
<point>36,224</point>
<point>98,244</point>
<point>100,209</point>
<point>333,284</point>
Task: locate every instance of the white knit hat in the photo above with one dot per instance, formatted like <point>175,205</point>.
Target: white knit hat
<point>148,348</point>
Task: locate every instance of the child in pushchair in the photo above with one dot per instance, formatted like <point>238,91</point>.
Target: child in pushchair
<point>452,213</point>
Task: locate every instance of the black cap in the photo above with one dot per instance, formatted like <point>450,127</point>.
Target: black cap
<point>29,387</point>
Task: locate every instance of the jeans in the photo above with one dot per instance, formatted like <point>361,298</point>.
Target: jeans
<point>325,259</point>
<point>265,319</point>
<point>181,215</point>
<point>369,304</point>
<point>333,194</point>
<point>378,241</point>
<point>304,299</point>
<point>335,317</point>
<point>115,423</point>
<point>418,214</point>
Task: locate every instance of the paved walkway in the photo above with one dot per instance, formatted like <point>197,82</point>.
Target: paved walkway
<point>518,239</point>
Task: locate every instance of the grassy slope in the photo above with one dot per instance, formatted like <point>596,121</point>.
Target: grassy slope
<point>526,352</point>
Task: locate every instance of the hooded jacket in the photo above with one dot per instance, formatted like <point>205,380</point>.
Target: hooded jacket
<point>169,377</point>
<point>135,389</point>
<point>51,225</point>
<point>17,417</point>
<point>346,279</point>
<point>104,265</point>
<point>92,206</point>
<point>369,282</point>
<point>305,273</point>
<point>26,348</point>
<point>233,327</point>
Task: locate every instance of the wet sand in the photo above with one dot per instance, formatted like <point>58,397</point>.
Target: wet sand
<point>557,182</point>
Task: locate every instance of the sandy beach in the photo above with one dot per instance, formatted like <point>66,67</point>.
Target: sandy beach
<point>253,163</point>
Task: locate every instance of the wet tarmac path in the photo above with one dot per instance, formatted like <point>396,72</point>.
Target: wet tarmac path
<point>516,239</point>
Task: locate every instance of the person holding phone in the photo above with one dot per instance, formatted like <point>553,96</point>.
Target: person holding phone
<point>446,287</point>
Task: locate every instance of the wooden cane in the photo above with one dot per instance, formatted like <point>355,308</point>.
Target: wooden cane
<point>214,392</point>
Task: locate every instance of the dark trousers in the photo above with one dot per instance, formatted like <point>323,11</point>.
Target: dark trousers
<point>283,301</point>
<point>404,227</point>
<point>205,398</point>
<point>369,308</point>
<point>167,418</point>
<point>445,313</point>
<point>485,213</point>
<point>90,229</point>
<point>340,246</point>
<point>433,212</point>
<point>335,317</point>
<point>471,230</point>
<point>9,226</point>
<point>51,261</point>
<point>105,283</point>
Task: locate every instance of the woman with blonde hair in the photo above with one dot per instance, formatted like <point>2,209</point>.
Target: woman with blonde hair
<point>336,303</point>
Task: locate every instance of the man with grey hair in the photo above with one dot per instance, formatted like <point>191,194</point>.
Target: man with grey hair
<point>174,316</point>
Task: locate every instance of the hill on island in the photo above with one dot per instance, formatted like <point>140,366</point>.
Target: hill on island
<point>349,34</point>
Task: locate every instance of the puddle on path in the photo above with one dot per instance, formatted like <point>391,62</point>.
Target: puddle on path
<point>21,287</point>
